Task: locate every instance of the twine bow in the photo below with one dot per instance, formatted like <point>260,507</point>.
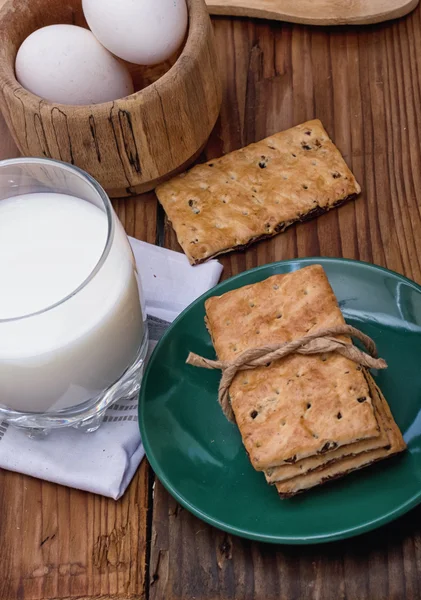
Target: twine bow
<point>319,342</point>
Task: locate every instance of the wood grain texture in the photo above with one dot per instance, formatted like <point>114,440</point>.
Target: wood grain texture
<point>315,12</point>
<point>132,143</point>
<point>365,86</point>
<point>193,560</point>
<point>62,543</point>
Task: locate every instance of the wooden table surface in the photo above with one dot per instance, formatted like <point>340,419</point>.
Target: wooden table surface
<point>365,85</point>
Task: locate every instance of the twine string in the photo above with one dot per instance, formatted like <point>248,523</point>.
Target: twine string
<point>319,342</point>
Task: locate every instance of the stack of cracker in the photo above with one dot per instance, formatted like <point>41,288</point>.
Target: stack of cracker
<point>257,191</point>
<point>304,419</point>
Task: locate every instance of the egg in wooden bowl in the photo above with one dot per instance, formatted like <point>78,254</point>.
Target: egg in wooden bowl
<point>128,144</point>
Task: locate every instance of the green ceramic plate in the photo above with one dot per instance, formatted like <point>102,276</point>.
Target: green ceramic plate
<point>199,457</point>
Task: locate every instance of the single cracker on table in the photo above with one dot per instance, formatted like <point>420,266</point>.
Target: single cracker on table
<point>257,191</point>
<point>298,406</point>
<point>340,468</point>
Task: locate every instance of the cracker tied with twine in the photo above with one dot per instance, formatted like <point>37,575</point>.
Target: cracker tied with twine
<point>300,392</point>
<point>257,191</point>
<point>314,343</point>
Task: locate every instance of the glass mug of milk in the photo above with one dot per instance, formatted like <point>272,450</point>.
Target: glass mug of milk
<point>73,336</point>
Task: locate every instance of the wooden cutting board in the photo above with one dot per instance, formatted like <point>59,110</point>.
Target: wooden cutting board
<point>315,12</point>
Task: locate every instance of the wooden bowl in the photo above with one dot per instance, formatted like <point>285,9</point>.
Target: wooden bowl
<point>131,144</point>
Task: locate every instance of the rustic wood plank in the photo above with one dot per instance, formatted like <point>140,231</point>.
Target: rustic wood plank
<point>138,215</point>
<point>193,560</point>
<point>59,543</point>
<point>62,543</point>
<point>364,84</point>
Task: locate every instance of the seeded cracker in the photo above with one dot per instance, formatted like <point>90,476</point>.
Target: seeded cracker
<point>340,468</point>
<point>257,191</point>
<point>301,405</point>
<point>320,461</point>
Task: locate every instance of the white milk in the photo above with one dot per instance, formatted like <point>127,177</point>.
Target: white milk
<point>49,245</point>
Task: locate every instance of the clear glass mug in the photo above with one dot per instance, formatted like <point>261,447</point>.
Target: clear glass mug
<point>64,364</point>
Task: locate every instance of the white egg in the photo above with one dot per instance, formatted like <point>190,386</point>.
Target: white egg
<point>145,32</point>
<point>67,64</point>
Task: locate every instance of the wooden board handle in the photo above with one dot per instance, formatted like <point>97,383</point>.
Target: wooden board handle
<point>315,12</point>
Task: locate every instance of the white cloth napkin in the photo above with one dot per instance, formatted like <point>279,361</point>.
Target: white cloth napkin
<point>104,462</point>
